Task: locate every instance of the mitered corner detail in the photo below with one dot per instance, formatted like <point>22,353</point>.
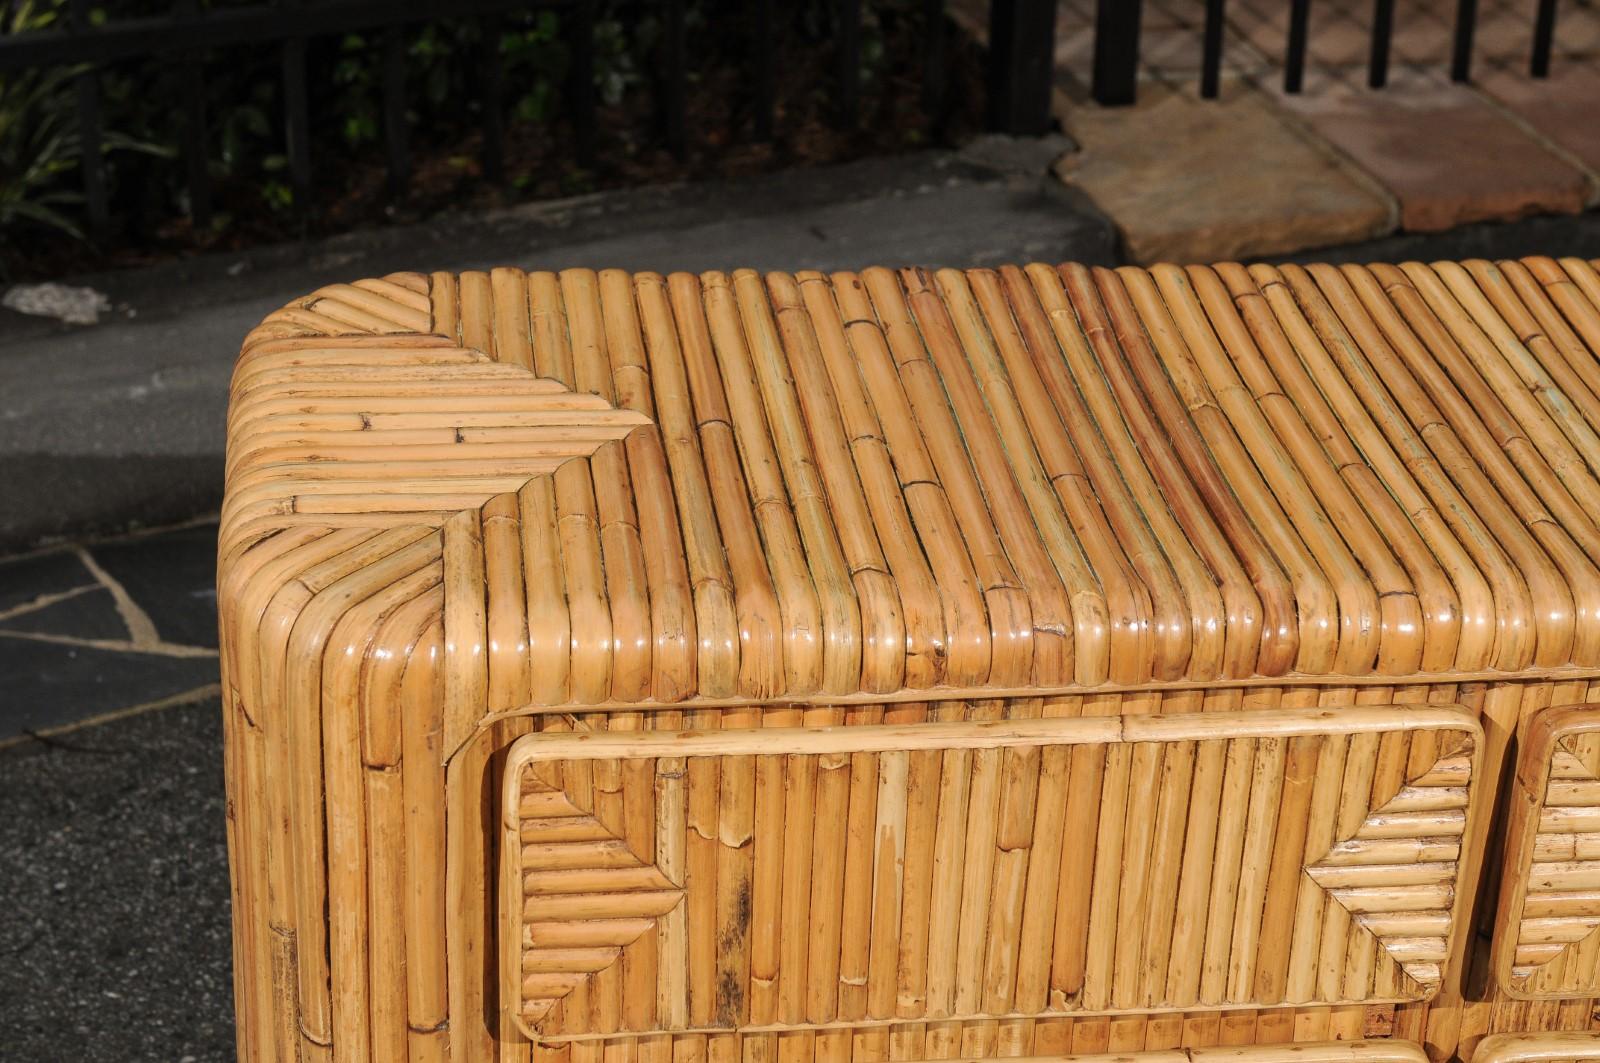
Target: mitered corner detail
<point>351,408</point>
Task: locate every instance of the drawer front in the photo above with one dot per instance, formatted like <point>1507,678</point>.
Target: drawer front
<point>1537,1048</point>
<point>1547,932</point>
<point>1300,1052</point>
<point>790,877</point>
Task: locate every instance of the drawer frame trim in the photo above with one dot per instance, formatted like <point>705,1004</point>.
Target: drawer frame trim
<point>665,900</point>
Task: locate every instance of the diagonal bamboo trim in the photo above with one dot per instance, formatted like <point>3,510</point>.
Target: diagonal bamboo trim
<point>1547,941</point>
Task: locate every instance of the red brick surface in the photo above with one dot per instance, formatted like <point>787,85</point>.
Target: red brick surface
<point>1564,107</point>
<point>1448,155</point>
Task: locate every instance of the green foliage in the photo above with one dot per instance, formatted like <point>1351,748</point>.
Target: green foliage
<point>38,147</point>
<point>41,151</point>
<point>144,110</point>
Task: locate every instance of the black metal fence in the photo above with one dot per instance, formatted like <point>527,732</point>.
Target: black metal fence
<point>1021,37</point>
<point>1116,46</point>
<point>190,32</point>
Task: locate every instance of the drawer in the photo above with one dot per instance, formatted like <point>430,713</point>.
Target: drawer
<point>1537,1048</point>
<point>1302,1052</point>
<point>780,878</point>
<point>1547,928</point>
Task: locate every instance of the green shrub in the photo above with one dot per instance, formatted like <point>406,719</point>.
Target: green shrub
<point>41,151</point>
<point>143,107</point>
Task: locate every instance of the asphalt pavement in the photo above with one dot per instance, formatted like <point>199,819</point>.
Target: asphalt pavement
<point>114,939</point>
<point>117,424</point>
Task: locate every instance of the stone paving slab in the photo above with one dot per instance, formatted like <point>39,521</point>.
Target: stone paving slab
<point>106,628</point>
<point>1561,108</point>
<point>114,932</point>
<point>1444,152</point>
<point>114,936</point>
<point>172,576</point>
<point>23,581</point>
<point>89,614</point>
<point>1442,155</point>
<point>1191,180</point>
<point>51,685</point>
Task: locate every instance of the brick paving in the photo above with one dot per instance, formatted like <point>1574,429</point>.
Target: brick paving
<point>1444,151</point>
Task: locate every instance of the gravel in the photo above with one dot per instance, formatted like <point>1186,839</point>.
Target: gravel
<point>114,937</point>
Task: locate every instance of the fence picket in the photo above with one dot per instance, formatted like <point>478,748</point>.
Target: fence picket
<point>493,110</point>
<point>1211,51</point>
<point>847,60</point>
<point>583,99</point>
<point>89,132</point>
<point>394,109</point>
<point>1382,32</point>
<point>1294,61</point>
<point>1544,31</point>
<point>1116,52</point>
<point>1461,47</point>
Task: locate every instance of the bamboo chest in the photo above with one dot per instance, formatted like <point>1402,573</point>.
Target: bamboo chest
<point>1182,664</point>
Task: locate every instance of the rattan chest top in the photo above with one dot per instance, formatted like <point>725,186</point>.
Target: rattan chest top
<point>899,665</point>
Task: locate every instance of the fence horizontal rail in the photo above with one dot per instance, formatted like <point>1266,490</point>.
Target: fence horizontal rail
<point>136,38</point>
